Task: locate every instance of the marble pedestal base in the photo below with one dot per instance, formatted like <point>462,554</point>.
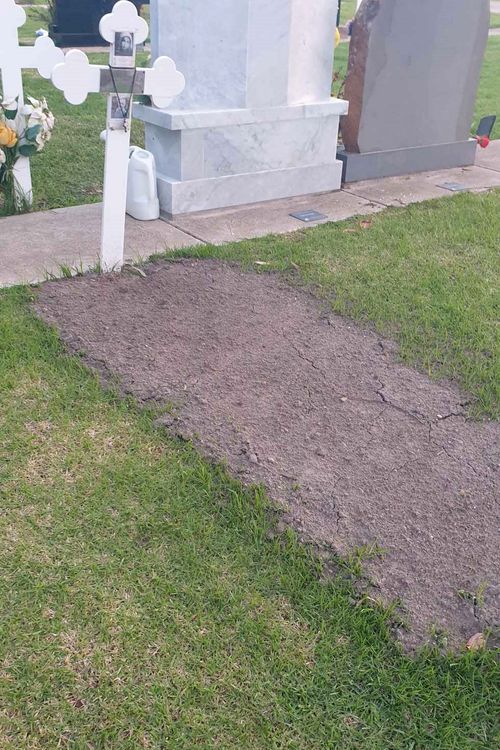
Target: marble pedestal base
<point>401,161</point>
<point>218,158</point>
<point>178,197</point>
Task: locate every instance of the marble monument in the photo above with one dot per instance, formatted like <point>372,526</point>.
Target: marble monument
<point>412,81</point>
<point>256,120</point>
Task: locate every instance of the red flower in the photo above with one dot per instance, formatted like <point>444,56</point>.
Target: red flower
<point>483,140</point>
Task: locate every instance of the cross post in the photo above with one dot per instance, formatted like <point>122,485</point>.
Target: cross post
<point>43,56</point>
<point>124,29</point>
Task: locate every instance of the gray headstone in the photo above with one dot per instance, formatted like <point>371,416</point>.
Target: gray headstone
<point>413,74</point>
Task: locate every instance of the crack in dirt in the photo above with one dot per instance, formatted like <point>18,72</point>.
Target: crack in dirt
<point>301,354</point>
<point>409,413</point>
<point>452,414</point>
<point>454,458</point>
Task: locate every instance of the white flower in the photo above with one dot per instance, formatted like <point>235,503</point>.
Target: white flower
<point>42,117</point>
<point>3,158</point>
<point>34,106</point>
<point>36,103</point>
<point>42,138</point>
<point>51,120</point>
<point>34,114</point>
<point>35,118</point>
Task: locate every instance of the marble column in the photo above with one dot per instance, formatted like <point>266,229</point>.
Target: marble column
<point>256,120</point>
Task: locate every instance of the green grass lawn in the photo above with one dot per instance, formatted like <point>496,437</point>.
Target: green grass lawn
<point>495,21</point>
<point>488,102</point>
<point>147,601</point>
<point>70,170</point>
<point>36,18</point>
<point>347,11</point>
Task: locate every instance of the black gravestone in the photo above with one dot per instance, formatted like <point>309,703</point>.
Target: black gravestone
<point>76,22</point>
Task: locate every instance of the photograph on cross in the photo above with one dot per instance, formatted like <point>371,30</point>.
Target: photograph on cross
<point>119,110</point>
<point>123,52</point>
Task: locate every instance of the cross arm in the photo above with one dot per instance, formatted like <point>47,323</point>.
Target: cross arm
<point>162,82</point>
<point>43,56</point>
<point>13,17</point>
<point>77,78</point>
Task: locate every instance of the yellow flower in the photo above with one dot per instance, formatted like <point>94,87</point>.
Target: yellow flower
<point>8,137</point>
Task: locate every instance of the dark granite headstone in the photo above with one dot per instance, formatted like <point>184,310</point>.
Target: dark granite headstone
<point>76,22</point>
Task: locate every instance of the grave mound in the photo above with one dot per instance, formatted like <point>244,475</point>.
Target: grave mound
<point>356,448</point>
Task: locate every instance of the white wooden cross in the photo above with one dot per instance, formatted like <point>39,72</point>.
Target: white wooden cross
<point>43,56</point>
<point>76,77</point>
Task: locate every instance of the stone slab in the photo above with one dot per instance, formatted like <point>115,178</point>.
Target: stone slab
<point>36,244</point>
<point>260,219</point>
<point>476,179</point>
<point>401,191</point>
<point>253,159</point>
<point>405,161</point>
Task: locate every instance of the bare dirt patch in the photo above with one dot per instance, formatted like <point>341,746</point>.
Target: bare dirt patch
<point>357,448</point>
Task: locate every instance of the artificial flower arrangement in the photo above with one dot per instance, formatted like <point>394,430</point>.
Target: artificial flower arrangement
<point>24,131</point>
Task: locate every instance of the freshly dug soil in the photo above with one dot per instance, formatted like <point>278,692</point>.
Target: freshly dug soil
<point>357,448</point>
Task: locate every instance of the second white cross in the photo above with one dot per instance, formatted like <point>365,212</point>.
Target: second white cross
<point>124,29</point>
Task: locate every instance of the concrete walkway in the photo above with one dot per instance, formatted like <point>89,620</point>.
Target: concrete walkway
<point>32,246</point>
<point>35,246</point>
